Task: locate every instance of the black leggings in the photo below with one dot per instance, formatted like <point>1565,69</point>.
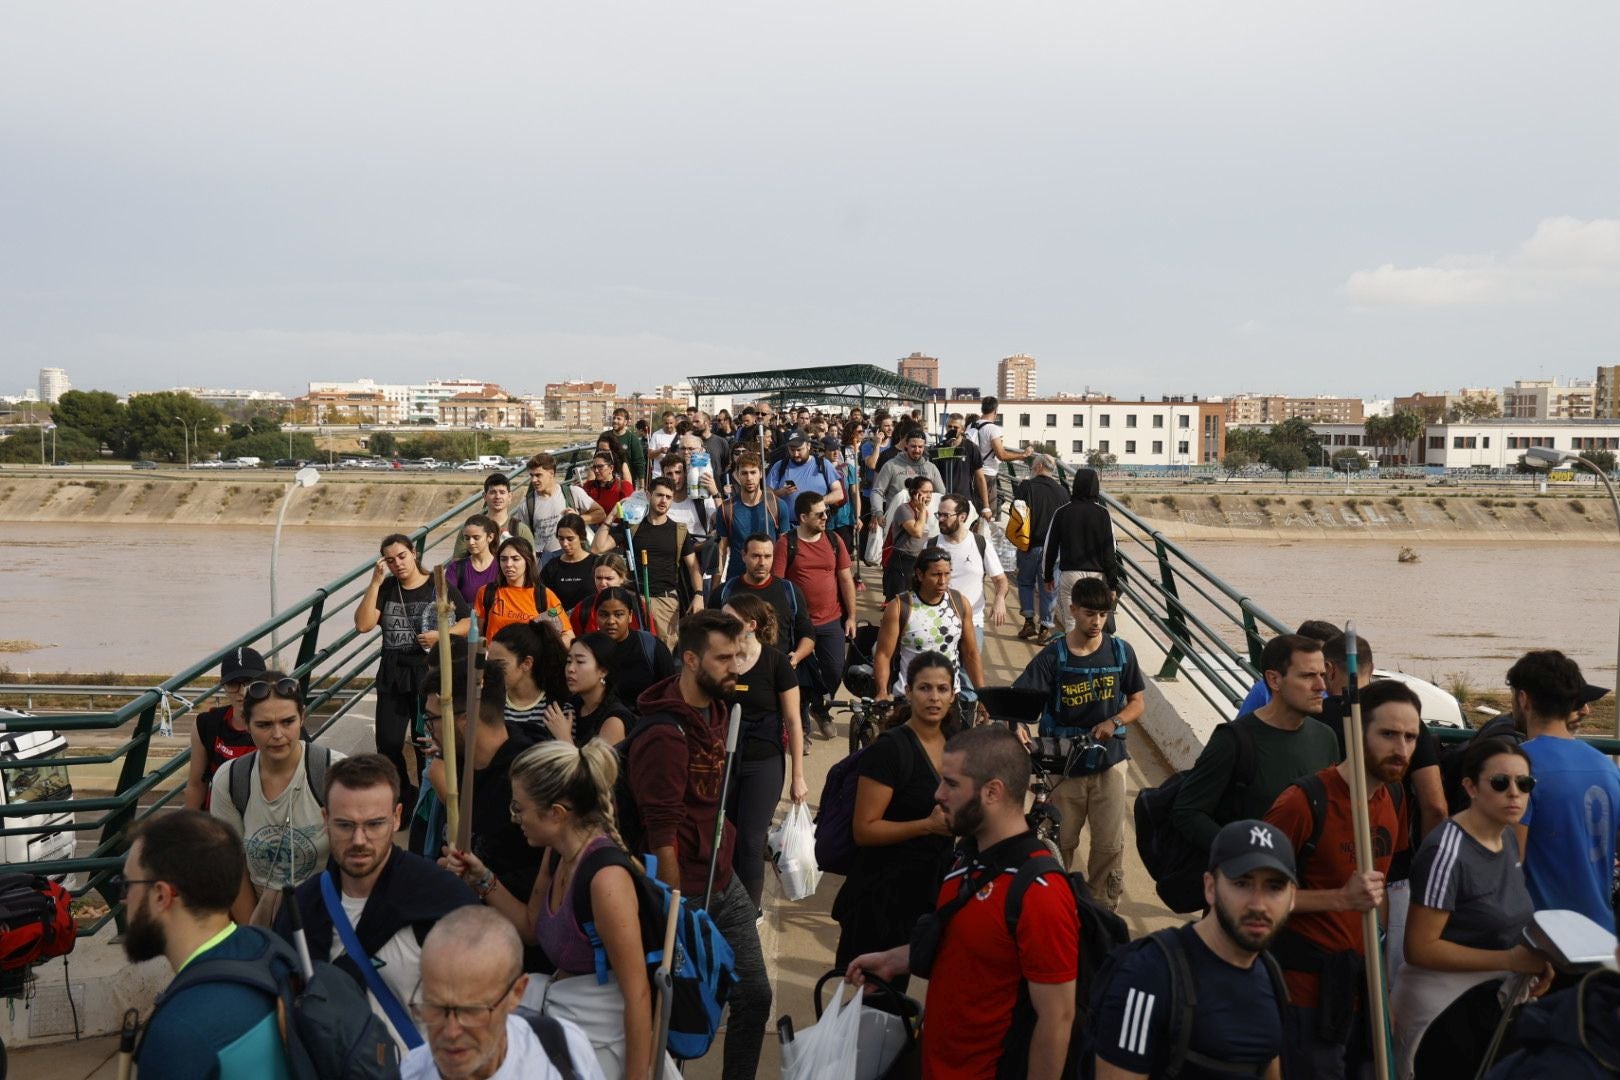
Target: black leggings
<point>754,795</point>
<point>396,713</point>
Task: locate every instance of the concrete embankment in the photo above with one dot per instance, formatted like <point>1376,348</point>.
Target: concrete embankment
<point>1430,514</point>
<point>229,498</point>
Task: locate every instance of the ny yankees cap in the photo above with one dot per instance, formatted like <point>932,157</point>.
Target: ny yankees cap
<point>1245,846</point>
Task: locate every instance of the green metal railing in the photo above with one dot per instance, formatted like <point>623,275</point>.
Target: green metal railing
<point>320,647</point>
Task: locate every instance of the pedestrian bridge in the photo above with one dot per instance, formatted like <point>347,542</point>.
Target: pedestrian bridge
<point>1197,637</point>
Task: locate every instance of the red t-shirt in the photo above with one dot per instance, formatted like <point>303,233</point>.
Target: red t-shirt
<point>815,569</point>
<point>1332,864</point>
<point>979,969</point>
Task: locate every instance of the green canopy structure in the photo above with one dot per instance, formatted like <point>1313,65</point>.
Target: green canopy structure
<point>866,385</point>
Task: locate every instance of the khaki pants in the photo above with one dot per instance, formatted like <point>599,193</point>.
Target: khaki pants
<point>1097,802</point>
<point>666,616</point>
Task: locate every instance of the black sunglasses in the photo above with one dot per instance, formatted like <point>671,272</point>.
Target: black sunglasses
<point>1499,783</point>
<point>282,688</point>
<point>928,558</point>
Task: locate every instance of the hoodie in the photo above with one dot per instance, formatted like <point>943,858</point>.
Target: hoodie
<point>1081,534</point>
<point>1570,1035</point>
<point>675,772</point>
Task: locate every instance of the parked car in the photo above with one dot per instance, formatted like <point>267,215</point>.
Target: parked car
<point>144,464</point>
<point>49,836</point>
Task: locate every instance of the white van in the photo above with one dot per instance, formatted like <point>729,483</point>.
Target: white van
<point>491,461</point>
<point>54,838</point>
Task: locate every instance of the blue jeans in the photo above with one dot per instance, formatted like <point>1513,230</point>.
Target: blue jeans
<point>1029,583</point>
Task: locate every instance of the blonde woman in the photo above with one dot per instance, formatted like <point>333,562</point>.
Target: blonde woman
<point>562,799</point>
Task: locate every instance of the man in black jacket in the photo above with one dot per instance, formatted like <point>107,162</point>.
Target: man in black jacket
<point>389,897</point>
<point>1078,543</point>
<point>1043,497</point>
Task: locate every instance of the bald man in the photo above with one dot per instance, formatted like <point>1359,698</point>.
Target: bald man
<point>472,980</point>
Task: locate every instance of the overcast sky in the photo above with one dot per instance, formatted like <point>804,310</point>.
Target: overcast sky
<point>1147,197</point>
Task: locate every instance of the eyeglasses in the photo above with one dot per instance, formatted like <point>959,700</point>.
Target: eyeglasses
<point>946,513</point>
<point>1499,783</point>
<point>470,1016</point>
<point>282,688</point>
<point>118,886</point>
<point>374,827</point>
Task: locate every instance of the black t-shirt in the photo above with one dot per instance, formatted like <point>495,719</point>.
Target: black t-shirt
<point>587,726</point>
<point>898,761</point>
<point>759,691</point>
<point>404,614</point>
<point>663,562</point>
<point>632,671</point>
<point>571,581</point>
<point>1238,1020</point>
<point>496,838</point>
<point>221,742</point>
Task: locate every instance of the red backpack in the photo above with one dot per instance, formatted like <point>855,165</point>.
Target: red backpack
<point>36,920</point>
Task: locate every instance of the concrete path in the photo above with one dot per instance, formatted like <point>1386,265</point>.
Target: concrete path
<point>799,938</point>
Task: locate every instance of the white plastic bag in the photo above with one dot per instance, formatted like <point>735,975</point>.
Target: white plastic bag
<point>829,1049</point>
<point>792,848</point>
<point>874,544</point>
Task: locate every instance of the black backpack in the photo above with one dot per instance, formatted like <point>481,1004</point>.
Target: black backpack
<point>327,1026</point>
<point>1177,867</point>
<point>1102,933</point>
<point>553,1040</point>
<point>1182,1007</point>
<point>315,766</point>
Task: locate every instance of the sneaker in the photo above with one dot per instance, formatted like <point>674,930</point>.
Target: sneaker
<point>824,721</point>
<point>860,586</point>
<point>1029,629</point>
<point>1048,635</point>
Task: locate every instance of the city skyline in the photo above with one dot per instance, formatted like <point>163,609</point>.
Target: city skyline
<point>1172,199</point>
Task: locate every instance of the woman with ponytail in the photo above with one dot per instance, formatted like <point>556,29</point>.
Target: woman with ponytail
<point>562,799</point>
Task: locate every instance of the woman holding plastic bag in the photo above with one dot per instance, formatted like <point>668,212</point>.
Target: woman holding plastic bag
<point>768,692</point>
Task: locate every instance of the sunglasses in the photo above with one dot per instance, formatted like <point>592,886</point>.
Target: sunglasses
<point>931,557</point>
<point>1499,783</point>
<point>282,688</point>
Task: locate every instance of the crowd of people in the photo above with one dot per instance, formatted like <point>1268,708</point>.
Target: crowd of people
<point>717,562</point>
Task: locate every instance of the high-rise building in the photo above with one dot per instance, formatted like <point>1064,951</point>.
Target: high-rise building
<point>1015,377</point>
<point>1275,408</point>
<point>923,369</point>
<point>1606,397</point>
<point>1548,399</point>
<point>53,383</point>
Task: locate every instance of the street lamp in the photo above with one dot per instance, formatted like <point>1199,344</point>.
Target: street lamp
<point>306,477</point>
<point>185,439</point>
<point>1545,457</point>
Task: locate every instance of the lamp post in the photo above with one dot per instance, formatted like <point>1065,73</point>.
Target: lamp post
<point>306,477</point>
<point>1545,457</point>
<point>185,439</point>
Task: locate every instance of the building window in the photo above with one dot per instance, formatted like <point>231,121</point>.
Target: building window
<point>1079,446</point>
<point>1079,421</point>
<point>1130,419</point>
<point>1485,442</point>
<point>1102,447</point>
<point>1130,446</point>
<point>1464,442</point>
<point>1183,448</point>
<point>1437,442</point>
<point>1183,421</point>
<point>1158,446</point>
<point>1105,420</point>
<point>1158,421</point>
<point>1051,419</point>
<point>1023,419</point>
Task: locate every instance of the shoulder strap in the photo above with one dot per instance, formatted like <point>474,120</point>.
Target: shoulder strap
<point>489,597</point>
<point>773,510</point>
<point>1031,868</point>
<point>554,1041</point>
<point>792,551</point>
<point>604,856</point>
<point>1316,798</point>
<point>680,540</point>
<point>397,1017</point>
<point>315,766</point>
<point>648,647</point>
<point>241,781</point>
<point>1183,998</point>
<point>568,495</point>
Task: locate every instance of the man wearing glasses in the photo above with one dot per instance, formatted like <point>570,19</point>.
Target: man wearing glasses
<point>801,473</point>
<point>817,561</point>
<point>604,486</point>
<point>386,898</point>
<point>472,981</point>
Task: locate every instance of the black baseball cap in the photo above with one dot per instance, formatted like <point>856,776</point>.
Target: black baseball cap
<point>1590,693</point>
<point>1244,846</point>
<point>798,439</point>
<point>241,663</point>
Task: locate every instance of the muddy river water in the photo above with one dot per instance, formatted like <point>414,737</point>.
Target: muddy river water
<point>152,598</point>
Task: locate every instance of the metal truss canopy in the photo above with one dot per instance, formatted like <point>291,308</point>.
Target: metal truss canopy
<point>840,384</point>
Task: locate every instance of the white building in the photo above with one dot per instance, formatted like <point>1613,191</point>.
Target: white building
<point>1484,444</point>
<point>1137,433</point>
<point>1549,399</point>
<point>411,402</point>
<point>53,383</point>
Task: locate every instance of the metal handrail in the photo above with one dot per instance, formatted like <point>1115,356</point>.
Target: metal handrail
<point>328,668</point>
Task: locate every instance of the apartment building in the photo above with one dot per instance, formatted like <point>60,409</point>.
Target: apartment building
<point>1136,433</point>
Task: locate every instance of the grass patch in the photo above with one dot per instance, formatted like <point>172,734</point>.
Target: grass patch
<point>1393,503</point>
<point>1577,506</point>
<point>1307,504</point>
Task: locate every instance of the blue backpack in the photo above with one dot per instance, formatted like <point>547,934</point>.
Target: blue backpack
<point>704,969</point>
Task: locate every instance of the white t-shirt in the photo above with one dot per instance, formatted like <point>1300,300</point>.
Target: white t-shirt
<point>399,962</point>
<point>660,441</point>
<point>685,511</point>
<point>986,435</point>
<point>284,837</point>
<point>549,509</point>
<point>525,1057</point>
<point>968,571</point>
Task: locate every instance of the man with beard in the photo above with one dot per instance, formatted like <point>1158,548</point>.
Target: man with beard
<point>389,899</point>
<point>677,754</point>
<point>1249,888</point>
<point>180,877</point>
<point>1322,949</point>
<point>998,1004</point>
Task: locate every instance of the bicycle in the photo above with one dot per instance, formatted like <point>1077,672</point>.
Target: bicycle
<point>866,720</point>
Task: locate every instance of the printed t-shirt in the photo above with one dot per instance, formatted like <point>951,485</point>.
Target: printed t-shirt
<point>815,570</point>
<point>1483,889</point>
<point>980,968</point>
<point>515,604</point>
<point>1238,1020</point>
<point>570,581</point>
<point>222,742</point>
<point>402,614</point>
<point>549,509</point>
<point>1569,856</point>
<point>285,837</point>
<point>1089,688</point>
<point>1332,864</point>
<point>399,962</point>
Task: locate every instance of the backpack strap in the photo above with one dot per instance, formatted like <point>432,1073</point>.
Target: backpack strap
<point>568,498</point>
<point>603,857</point>
<point>792,552</point>
<point>489,596</point>
<point>554,1041</point>
<point>1031,868</point>
<point>1315,798</point>
<point>648,647</point>
<point>241,783</point>
<point>315,766</point>
<point>398,1018</point>
<point>1183,998</point>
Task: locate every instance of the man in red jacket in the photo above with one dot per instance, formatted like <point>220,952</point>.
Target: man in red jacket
<point>677,767</point>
